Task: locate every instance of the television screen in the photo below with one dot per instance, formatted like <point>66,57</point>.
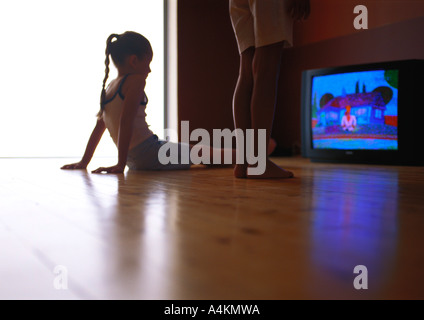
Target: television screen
<point>355,110</point>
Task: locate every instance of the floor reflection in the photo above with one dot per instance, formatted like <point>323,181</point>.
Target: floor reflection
<point>158,214</point>
<point>136,220</point>
<point>354,222</point>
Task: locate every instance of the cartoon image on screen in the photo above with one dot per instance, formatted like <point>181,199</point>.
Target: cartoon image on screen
<point>357,110</point>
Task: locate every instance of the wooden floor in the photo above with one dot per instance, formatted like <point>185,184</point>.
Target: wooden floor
<point>201,234</point>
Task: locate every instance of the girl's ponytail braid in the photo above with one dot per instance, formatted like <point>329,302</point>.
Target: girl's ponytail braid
<point>107,62</point>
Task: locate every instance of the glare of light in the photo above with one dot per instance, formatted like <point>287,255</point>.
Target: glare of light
<point>52,62</point>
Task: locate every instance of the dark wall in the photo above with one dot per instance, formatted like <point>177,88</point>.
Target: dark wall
<point>208,64</point>
<point>208,58</point>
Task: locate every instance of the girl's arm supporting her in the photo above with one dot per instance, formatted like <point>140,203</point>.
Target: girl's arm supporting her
<point>94,140</point>
<point>134,94</point>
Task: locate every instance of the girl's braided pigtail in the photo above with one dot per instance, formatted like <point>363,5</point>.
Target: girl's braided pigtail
<point>107,62</point>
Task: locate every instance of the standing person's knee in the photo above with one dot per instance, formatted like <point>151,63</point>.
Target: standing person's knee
<point>246,63</point>
<point>267,58</point>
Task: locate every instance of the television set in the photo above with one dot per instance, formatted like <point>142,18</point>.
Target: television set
<point>367,113</point>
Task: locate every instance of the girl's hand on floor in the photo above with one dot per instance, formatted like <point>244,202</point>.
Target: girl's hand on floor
<point>113,169</point>
<point>72,166</point>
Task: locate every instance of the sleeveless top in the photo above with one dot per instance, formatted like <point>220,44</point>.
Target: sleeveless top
<point>112,117</point>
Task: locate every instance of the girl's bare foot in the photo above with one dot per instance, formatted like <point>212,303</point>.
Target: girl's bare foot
<point>272,171</point>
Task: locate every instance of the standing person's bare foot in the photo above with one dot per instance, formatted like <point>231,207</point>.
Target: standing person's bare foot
<point>272,171</point>
<point>271,146</point>
<point>240,171</point>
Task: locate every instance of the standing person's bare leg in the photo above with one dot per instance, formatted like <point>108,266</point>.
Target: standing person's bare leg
<point>266,70</point>
<point>242,101</point>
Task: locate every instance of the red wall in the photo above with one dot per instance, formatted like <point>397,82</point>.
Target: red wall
<point>334,18</point>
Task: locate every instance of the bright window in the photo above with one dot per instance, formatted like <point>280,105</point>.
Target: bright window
<point>52,67</point>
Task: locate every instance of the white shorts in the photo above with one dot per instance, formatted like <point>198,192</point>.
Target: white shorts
<point>145,156</point>
<point>259,23</point>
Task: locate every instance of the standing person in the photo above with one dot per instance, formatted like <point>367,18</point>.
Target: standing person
<point>262,29</point>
